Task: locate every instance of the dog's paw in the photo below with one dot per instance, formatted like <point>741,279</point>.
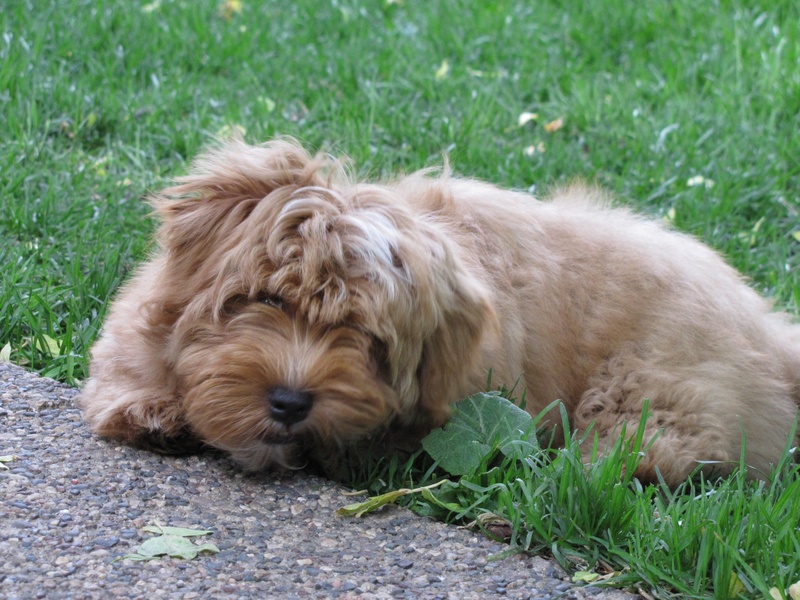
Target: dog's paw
<point>182,443</point>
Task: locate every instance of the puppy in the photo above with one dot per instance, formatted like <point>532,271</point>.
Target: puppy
<point>289,311</point>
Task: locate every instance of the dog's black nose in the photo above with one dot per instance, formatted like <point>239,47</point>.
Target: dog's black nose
<point>289,406</point>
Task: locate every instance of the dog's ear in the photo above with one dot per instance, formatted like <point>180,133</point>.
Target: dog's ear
<point>223,188</point>
<point>438,338</point>
<point>452,348</point>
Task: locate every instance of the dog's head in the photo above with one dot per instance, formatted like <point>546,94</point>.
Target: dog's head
<point>305,311</point>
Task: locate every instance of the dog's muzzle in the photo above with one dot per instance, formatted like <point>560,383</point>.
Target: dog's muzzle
<point>289,406</point>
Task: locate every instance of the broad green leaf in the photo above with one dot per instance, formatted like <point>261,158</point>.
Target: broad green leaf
<point>585,576</point>
<point>179,531</point>
<point>170,545</point>
<point>456,454</point>
<point>480,424</point>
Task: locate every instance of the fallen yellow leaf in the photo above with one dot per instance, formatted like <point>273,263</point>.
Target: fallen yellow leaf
<point>268,103</point>
<point>585,576</point>
<point>443,70</point>
<point>735,587</point>
<point>228,131</point>
<point>228,8</point>
<point>359,509</point>
<point>45,344</point>
<point>537,149</point>
<point>554,125</point>
<point>527,117</point>
<point>698,180</point>
<point>794,591</point>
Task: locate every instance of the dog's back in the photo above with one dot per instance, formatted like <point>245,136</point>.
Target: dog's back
<point>604,309</point>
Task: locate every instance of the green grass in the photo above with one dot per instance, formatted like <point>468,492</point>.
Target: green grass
<point>104,100</point>
<point>708,539</point>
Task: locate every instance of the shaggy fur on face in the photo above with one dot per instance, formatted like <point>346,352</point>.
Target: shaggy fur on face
<point>289,311</point>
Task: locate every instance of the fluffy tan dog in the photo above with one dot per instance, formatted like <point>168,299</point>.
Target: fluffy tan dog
<point>289,312</point>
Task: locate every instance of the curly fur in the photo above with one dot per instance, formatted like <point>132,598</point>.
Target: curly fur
<point>387,303</point>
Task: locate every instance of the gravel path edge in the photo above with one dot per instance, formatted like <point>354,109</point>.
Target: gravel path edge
<point>73,505</point>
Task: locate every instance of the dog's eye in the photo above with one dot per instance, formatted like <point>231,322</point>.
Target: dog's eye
<point>270,300</point>
<point>273,301</point>
<point>239,302</point>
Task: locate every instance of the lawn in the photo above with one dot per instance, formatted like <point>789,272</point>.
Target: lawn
<point>688,111</point>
